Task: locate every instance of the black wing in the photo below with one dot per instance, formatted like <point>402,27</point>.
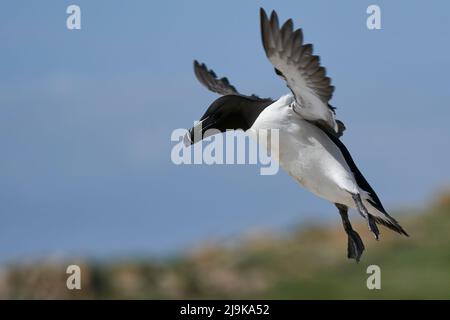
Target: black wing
<point>208,78</point>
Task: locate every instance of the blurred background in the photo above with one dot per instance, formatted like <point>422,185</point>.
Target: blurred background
<point>86,176</point>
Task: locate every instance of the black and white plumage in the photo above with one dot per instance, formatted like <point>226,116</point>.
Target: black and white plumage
<point>309,148</point>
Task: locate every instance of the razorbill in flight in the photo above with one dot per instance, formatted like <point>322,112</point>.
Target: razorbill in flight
<point>309,148</point>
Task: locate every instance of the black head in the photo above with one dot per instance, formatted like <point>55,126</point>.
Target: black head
<point>225,113</point>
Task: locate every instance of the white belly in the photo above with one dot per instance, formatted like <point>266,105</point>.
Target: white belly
<point>308,155</point>
<point>316,164</point>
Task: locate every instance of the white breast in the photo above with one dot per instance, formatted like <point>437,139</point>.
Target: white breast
<point>307,153</point>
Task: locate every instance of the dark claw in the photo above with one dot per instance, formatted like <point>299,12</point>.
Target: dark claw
<point>373,227</point>
<point>355,246</point>
<point>363,211</point>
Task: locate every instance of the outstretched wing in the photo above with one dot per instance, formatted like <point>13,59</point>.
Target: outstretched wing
<point>209,79</point>
<point>221,86</point>
<point>296,64</point>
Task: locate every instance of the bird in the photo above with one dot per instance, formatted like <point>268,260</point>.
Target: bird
<point>310,149</point>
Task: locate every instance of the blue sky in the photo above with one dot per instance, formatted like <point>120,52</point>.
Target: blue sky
<point>86,118</point>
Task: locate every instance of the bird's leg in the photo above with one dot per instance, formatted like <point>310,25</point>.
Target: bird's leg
<point>355,245</point>
<point>363,211</point>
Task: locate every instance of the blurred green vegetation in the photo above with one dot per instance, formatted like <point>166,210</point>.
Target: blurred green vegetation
<point>307,263</point>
